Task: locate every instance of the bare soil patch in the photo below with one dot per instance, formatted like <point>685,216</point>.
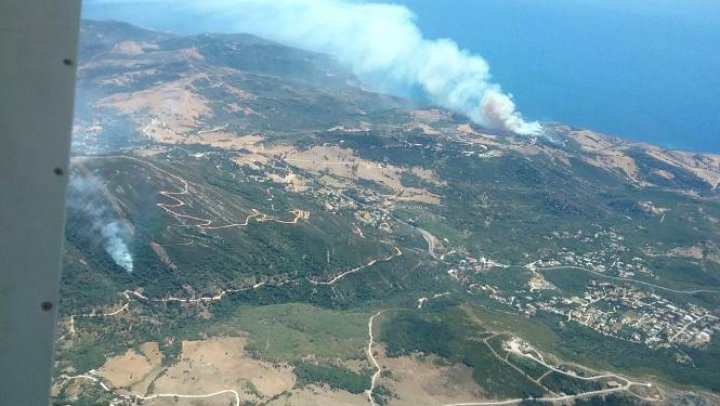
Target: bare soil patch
<point>695,252</point>
<point>129,48</point>
<point>132,367</point>
<point>227,140</point>
<point>704,166</point>
<point>424,380</point>
<point>163,255</point>
<point>320,396</point>
<point>176,105</point>
<point>431,115</point>
<point>342,163</point>
<point>218,364</point>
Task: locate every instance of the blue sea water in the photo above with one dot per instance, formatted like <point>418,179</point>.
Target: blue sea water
<point>643,70</point>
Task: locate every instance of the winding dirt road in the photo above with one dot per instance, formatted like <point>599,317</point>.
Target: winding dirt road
<point>219,296</point>
<point>430,239</point>
<point>332,281</point>
<point>177,395</point>
<point>71,328</point>
<point>184,190</point>
<point>132,396</point>
<point>371,358</point>
<point>562,398</point>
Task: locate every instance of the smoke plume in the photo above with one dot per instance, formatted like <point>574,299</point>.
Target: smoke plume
<point>381,42</point>
<point>86,198</point>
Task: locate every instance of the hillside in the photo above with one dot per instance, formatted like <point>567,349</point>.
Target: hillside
<point>272,209</point>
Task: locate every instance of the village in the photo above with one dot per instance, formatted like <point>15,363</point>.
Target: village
<point>622,312</point>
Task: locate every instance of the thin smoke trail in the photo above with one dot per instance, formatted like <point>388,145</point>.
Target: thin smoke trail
<point>84,197</point>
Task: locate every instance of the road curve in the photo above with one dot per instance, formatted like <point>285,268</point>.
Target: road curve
<point>176,395</point>
<point>430,239</point>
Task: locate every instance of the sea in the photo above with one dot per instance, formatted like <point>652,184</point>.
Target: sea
<point>638,69</point>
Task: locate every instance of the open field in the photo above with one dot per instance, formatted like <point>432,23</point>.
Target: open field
<point>222,363</point>
<point>133,369</point>
<point>290,331</point>
<point>425,380</point>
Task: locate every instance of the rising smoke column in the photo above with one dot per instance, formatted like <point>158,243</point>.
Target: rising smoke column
<point>85,197</point>
<point>381,42</point>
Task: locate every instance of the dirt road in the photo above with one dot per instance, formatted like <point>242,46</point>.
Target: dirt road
<point>371,358</point>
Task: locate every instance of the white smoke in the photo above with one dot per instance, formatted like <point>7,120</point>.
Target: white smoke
<point>115,245</point>
<point>381,42</point>
<point>85,197</point>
